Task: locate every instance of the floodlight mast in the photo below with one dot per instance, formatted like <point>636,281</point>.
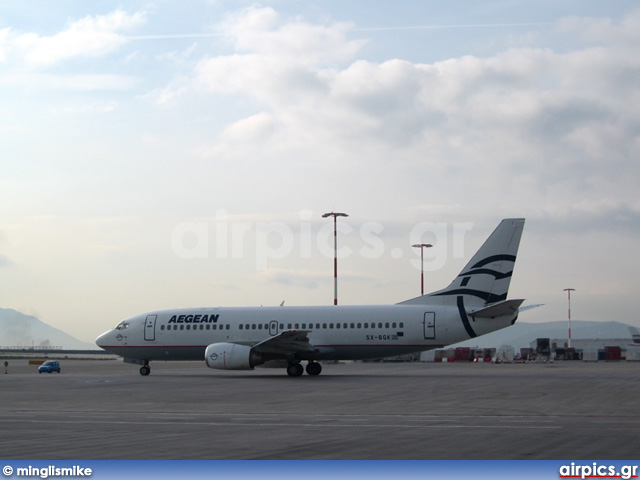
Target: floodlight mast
<point>569,290</point>
<point>335,215</point>
<point>422,246</point>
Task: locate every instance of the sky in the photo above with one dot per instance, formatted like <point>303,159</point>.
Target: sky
<point>167,154</point>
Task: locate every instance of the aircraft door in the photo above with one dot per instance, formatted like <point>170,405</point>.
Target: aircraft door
<point>429,325</point>
<point>273,328</point>
<point>150,328</point>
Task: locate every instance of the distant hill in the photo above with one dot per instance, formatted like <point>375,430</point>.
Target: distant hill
<point>20,330</point>
<point>522,334</point>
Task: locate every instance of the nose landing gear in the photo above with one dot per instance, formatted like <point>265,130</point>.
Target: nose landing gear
<point>145,369</point>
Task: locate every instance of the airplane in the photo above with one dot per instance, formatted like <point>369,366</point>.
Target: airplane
<point>241,338</point>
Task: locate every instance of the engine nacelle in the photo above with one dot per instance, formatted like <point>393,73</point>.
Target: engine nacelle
<point>231,356</point>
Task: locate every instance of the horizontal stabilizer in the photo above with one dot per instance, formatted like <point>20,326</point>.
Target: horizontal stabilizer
<point>499,309</point>
<point>529,307</point>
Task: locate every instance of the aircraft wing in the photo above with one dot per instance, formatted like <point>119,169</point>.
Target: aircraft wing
<point>286,343</point>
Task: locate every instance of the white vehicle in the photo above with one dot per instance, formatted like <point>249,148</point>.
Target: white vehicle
<point>239,338</point>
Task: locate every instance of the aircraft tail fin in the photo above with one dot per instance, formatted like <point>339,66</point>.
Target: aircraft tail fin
<point>635,335</point>
<point>486,278</point>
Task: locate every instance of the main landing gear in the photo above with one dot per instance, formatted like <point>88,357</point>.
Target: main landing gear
<point>145,369</point>
<point>294,369</point>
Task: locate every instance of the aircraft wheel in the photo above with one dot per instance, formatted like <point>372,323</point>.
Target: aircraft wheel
<point>145,370</point>
<point>294,370</point>
<point>314,368</point>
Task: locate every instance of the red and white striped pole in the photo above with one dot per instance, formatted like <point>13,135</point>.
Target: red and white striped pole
<point>422,246</point>
<point>569,290</point>
<point>335,250</point>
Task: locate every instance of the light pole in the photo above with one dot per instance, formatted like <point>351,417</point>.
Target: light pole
<point>335,249</point>
<point>569,290</point>
<point>422,246</point>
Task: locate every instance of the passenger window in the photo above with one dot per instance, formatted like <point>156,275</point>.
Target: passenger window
<point>288,326</point>
<point>337,325</point>
<point>359,325</point>
<point>366,325</point>
<point>393,324</point>
<point>228,327</point>
<point>401,325</point>
<point>282,326</point>
<point>331,325</point>
<point>181,327</point>
<point>161,327</point>
<point>259,326</point>
<point>324,325</point>
<point>208,327</point>
<point>240,326</point>
<point>297,326</point>
<point>353,326</point>
<point>386,325</point>
<point>304,326</point>
<point>214,326</point>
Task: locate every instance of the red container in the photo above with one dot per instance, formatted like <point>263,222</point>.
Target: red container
<point>463,354</point>
<point>612,354</point>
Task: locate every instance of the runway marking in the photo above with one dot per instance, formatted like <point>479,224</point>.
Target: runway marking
<point>303,425</point>
<point>317,421</point>
<point>537,418</point>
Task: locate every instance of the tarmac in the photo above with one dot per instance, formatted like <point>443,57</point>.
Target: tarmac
<point>104,409</point>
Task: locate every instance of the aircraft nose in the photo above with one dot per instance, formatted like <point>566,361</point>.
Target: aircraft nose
<point>101,341</point>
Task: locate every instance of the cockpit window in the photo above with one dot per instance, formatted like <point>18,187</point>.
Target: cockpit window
<point>122,326</point>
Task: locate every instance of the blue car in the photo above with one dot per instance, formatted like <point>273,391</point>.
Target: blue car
<point>49,366</point>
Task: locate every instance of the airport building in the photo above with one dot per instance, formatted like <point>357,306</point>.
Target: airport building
<point>542,349</point>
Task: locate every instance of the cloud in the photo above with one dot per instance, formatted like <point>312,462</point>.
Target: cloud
<point>274,60</point>
<point>90,36</point>
<point>524,124</point>
<point>70,82</point>
<point>604,31</point>
<point>261,31</point>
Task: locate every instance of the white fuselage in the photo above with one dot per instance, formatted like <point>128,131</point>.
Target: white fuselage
<point>336,332</point>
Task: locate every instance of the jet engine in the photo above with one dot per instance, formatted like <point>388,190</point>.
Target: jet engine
<point>231,356</point>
